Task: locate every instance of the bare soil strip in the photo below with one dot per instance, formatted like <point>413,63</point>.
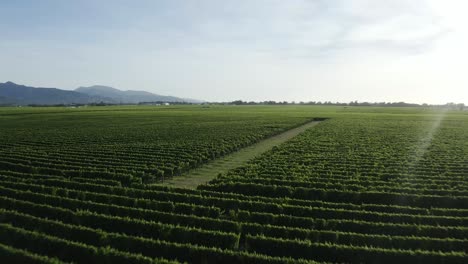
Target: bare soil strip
<point>209,171</point>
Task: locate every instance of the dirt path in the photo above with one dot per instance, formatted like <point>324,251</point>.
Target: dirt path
<point>209,171</point>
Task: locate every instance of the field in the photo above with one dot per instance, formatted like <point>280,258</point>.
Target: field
<point>365,185</point>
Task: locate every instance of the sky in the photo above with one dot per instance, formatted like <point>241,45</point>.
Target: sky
<point>318,50</point>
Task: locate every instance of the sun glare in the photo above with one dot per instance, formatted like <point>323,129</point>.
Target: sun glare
<point>427,137</point>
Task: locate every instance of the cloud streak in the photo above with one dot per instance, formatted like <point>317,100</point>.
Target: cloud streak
<point>322,28</point>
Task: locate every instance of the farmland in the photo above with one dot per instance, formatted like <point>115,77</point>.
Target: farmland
<point>128,145</point>
<point>366,185</point>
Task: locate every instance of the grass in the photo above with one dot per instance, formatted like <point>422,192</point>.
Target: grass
<point>209,171</point>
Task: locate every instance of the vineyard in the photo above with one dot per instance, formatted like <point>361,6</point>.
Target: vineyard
<point>366,185</point>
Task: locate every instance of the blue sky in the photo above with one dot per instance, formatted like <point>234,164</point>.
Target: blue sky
<point>331,50</point>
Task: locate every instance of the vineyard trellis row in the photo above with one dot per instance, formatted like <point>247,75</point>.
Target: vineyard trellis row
<point>365,186</point>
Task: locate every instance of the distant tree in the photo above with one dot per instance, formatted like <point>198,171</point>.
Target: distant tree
<point>237,102</point>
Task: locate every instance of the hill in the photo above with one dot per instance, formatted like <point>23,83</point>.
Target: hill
<point>129,96</point>
<point>12,93</point>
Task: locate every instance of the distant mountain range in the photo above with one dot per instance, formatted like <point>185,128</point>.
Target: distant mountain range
<point>129,96</point>
<point>15,94</point>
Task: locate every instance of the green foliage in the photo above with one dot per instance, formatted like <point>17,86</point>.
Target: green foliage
<point>15,255</point>
<point>367,185</point>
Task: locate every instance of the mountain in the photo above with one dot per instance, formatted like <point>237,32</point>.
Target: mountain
<point>129,96</point>
<point>7,101</point>
<point>12,93</point>
<point>15,94</point>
